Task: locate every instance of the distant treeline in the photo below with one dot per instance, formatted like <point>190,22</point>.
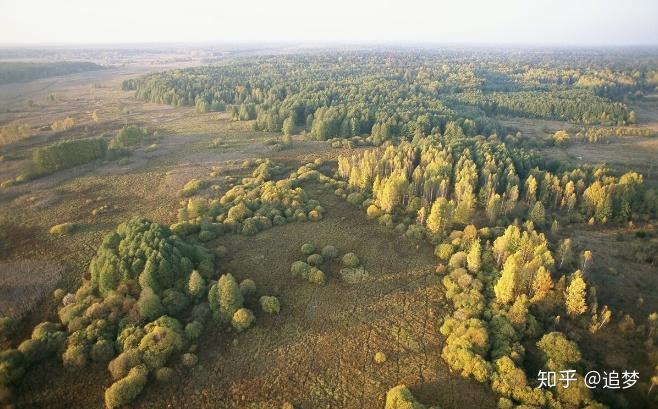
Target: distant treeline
<point>29,71</point>
<point>402,95</point>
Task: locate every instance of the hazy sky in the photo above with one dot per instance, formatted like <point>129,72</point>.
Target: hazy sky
<point>566,22</point>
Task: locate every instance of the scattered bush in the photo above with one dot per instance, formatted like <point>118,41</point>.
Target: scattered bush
<point>189,360</point>
<point>192,187</point>
<point>242,319</point>
<point>316,276</point>
<point>300,269</point>
<point>165,375</point>
<point>270,304</point>
<point>64,229</point>
<point>380,357</point>
<point>350,260</point>
<point>315,260</point>
<point>329,252</point>
<point>307,249</point>
<point>248,287</point>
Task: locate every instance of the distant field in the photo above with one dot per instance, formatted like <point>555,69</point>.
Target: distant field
<point>28,71</point>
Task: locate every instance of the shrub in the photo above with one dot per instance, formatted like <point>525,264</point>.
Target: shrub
<point>123,363</point>
<point>159,343</point>
<point>33,350</point>
<point>329,252</point>
<point>102,351</point>
<point>248,287</point>
<point>129,136</point>
<point>64,228</point>
<point>165,375</point>
<point>230,298</point>
<point>193,330</point>
<point>400,397</point>
<point>75,356</point>
<point>12,366</point>
<point>67,154</point>
<point>189,360</point>
<point>315,259</point>
<point>206,235</point>
<point>149,304</point>
<point>355,198</point>
<point>196,285</point>
<point>316,276</point>
<point>270,304</point>
<point>174,301</point>
<point>380,357</point>
<point>314,215</point>
<point>300,268</point>
<point>250,227</point>
<point>126,389</point>
<point>242,319</point>
<point>444,251</point>
<point>350,260</point>
<point>58,295</point>
<point>373,212</point>
<point>308,249</point>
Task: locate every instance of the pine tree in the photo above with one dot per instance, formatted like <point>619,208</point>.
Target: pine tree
<point>230,297</point>
<point>538,214</point>
<point>541,284</point>
<point>473,259</point>
<point>440,217</point>
<point>506,287</point>
<point>494,206</point>
<point>575,295</point>
<point>288,126</point>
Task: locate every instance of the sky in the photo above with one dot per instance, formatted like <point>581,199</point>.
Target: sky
<point>554,22</point>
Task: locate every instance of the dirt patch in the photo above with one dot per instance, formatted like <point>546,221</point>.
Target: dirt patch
<point>24,283</point>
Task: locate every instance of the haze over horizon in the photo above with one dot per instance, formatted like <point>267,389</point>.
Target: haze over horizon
<point>559,22</point>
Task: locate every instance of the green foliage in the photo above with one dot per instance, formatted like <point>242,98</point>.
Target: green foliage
<point>163,338</point>
<point>125,390</point>
<point>350,260</point>
<point>129,136</point>
<point>300,268</point>
<point>230,298</point>
<point>149,305</point>
<point>124,362</point>
<point>315,260</point>
<point>192,187</point>
<point>67,154</point>
<point>559,352</point>
<point>247,287</point>
<point>329,252</point>
<point>270,304</point>
<point>308,249</point>
<point>316,276</point>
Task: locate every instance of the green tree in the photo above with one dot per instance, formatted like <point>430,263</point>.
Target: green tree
<point>559,352</point>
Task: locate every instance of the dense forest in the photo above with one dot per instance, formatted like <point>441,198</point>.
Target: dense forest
<point>402,94</point>
<point>29,71</point>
